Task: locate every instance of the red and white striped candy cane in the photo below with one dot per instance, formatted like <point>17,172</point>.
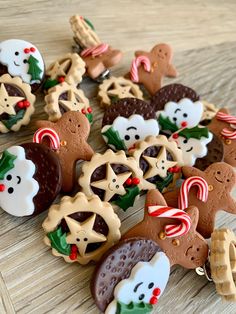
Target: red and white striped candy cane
<point>229,119</point>
<point>202,193</point>
<point>174,230</point>
<point>94,51</point>
<point>134,67</point>
<point>51,134</point>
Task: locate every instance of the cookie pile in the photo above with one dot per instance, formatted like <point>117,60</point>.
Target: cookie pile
<point>161,140</point>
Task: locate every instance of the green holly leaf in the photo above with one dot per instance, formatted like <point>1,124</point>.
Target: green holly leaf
<point>34,69</point>
<point>89,24</point>
<point>49,83</point>
<point>166,124</point>
<point>164,182</point>
<point>195,132</point>
<point>134,308</point>
<point>58,241</point>
<point>114,139</point>
<point>89,117</point>
<point>114,99</point>
<point>127,200</point>
<point>13,119</point>
<point>6,163</point>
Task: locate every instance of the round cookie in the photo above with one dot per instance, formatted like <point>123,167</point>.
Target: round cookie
<point>131,275</point>
<point>23,59</point>
<point>30,179</point>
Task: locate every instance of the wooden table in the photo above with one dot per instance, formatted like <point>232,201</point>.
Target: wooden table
<point>202,34</point>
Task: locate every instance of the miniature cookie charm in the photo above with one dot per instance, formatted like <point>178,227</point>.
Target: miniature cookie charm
<point>223,263</point>
<point>113,177</point>
<point>64,97</point>
<point>30,179</point>
<point>68,138</point>
<point>115,88</point>
<point>81,229</point>
<point>23,59</point>
<point>131,277</point>
<point>149,68</point>
<point>16,103</point>
<point>174,230</point>
<point>127,121</point>
<point>69,68</point>
<point>160,160</point>
<point>209,111</point>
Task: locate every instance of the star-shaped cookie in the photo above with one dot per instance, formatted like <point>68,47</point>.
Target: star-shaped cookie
<point>72,103</point>
<point>7,103</point>
<point>58,69</point>
<point>120,91</point>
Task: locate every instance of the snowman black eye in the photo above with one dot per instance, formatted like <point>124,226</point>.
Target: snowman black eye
<point>25,60</point>
<point>10,190</point>
<point>185,141</point>
<point>127,137</point>
<point>185,115</point>
<point>175,119</point>
<point>137,137</point>
<point>141,297</point>
<point>17,53</point>
<point>151,285</point>
<point>9,177</point>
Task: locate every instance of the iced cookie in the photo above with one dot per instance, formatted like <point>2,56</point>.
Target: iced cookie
<point>131,277</point>
<point>160,161</point>
<point>23,59</point>
<point>16,103</point>
<point>115,88</point>
<point>209,111</point>
<point>113,177</point>
<point>70,68</point>
<point>68,137</point>
<point>127,121</point>
<point>149,68</point>
<point>81,229</point>
<point>64,97</point>
<point>30,179</point>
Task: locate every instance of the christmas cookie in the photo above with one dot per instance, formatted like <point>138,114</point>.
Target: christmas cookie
<point>160,160</point>
<point>174,230</point>
<point>68,137</point>
<point>69,68</point>
<point>115,88</point>
<point>223,125</point>
<point>127,121</point>
<point>81,229</point>
<point>30,179</point>
<point>149,68</point>
<point>16,103</point>
<point>131,277</point>
<point>113,177</point>
<point>209,111</point>
<point>23,59</point>
<point>64,97</point>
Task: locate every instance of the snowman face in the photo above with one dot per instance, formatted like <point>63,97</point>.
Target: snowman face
<point>20,186</point>
<point>14,54</point>
<point>184,113</point>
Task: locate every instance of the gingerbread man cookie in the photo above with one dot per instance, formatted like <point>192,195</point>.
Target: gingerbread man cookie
<point>70,133</point>
<point>149,68</point>
<point>220,178</point>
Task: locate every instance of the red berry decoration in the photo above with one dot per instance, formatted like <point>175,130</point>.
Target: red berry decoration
<point>89,110</point>
<point>83,111</point>
<point>73,248</point>
<point>184,124</point>
<point>128,181</point>
<point>153,300</point>
<point>175,135</point>
<point>61,79</point>
<point>2,187</point>
<point>171,170</point>
<point>26,50</point>
<point>156,292</point>
<point>26,104</point>
<point>32,49</point>
<point>135,181</point>
<point>20,104</point>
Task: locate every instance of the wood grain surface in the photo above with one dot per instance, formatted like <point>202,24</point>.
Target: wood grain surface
<point>202,34</point>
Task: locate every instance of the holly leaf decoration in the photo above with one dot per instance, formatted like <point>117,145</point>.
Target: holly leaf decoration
<point>13,119</point>
<point>58,241</point>
<point>127,200</point>
<point>89,117</point>
<point>166,124</point>
<point>133,308</point>
<point>34,69</point>
<point>6,163</point>
<point>114,99</point>
<point>114,139</point>
<point>164,182</point>
<point>195,132</point>
<point>49,83</point>
<point>89,24</point>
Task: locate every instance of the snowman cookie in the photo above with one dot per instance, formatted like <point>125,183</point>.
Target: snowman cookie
<point>16,103</point>
<point>30,179</point>
<point>23,59</point>
<point>127,121</point>
<point>138,277</point>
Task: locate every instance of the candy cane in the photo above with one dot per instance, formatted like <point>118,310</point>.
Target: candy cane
<point>134,67</point>
<point>174,230</point>
<point>94,51</point>
<point>231,135</point>
<point>232,121</point>
<point>202,193</point>
<point>51,134</point>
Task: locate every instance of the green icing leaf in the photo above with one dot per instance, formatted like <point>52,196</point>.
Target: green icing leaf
<point>134,308</point>
<point>13,119</point>
<point>49,83</point>
<point>166,124</point>
<point>6,163</point>
<point>34,69</point>
<point>89,24</point>
<point>113,138</point>
<point>89,117</point>
<point>58,241</point>
<point>195,132</point>
<point>127,200</point>
<point>164,182</point>
<point>114,99</point>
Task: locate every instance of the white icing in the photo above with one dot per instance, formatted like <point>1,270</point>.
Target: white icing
<point>20,201</point>
<point>155,271</point>
<point>133,129</point>
<point>192,148</point>
<point>177,111</point>
<point>15,63</point>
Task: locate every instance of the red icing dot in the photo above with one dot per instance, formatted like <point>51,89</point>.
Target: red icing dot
<point>89,109</point>
<point>135,181</point>
<point>171,169</point>
<point>156,292</point>
<point>26,103</point>
<point>2,187</point>
<point>153,300</point>
<point>128,181</point>
<point>32,49</point>
<point>184,124</point>
<point>61,79</point>
<point>175,135</point>
<point>73,248</point>
<point>73,256</point>
<point>20,104</point>
<point>26,50</point>
<point>83,111</point>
